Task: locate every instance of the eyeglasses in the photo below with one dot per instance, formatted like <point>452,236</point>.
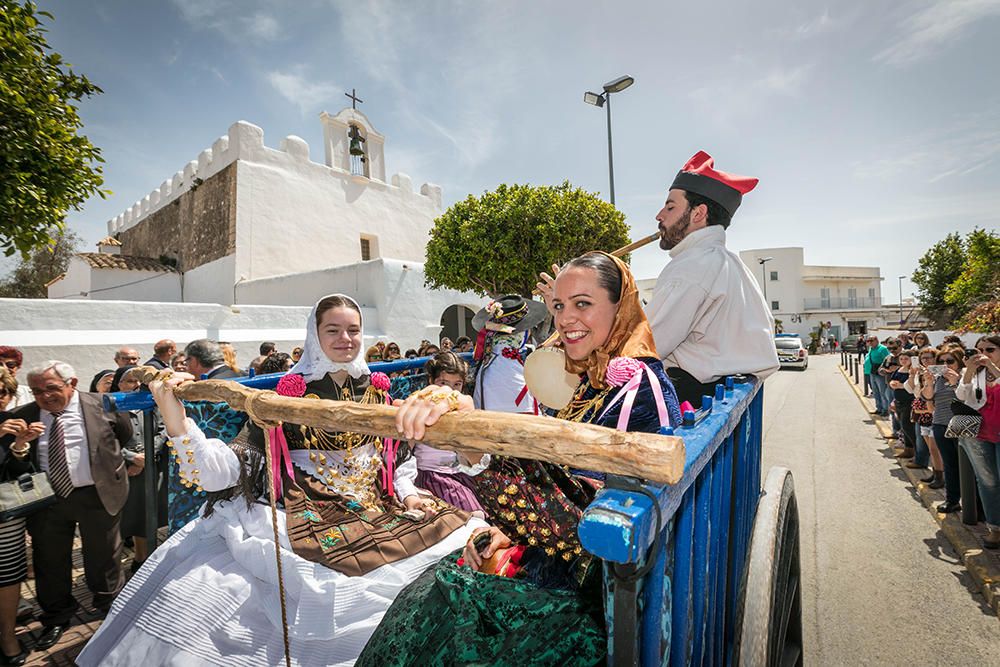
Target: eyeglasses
<point>47,390</point>
<point>988,350</point>
<point>948,361</point>
<point>11,364</point>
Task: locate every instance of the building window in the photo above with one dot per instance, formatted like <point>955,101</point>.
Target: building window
<point>852,297</point>
<point>871,292</point>
<point>774,305</point>
<point>774,276</point>
<point>824,297</point>
<point>366,249</point>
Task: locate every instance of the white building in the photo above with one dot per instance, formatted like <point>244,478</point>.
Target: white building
<point>250,224</point>
<point>803,296</point>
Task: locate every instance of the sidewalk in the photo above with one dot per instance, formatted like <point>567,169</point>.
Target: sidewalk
<point>84,624</point>
<point>982,564</point>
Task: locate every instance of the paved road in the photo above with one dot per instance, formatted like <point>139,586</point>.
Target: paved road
<point>881,584</point>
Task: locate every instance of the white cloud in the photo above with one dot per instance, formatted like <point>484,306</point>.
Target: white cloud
<point>304,92</point>
<point>933,28</point>
<point>967,145</point>
<point>226,17</point>
<point>740,93</point>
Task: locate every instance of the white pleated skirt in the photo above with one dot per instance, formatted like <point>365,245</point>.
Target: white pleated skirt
<point>209,596</point>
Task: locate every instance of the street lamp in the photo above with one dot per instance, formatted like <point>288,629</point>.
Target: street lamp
<point>604,99</point>
<point>763,275</point>
<point>901,301</point>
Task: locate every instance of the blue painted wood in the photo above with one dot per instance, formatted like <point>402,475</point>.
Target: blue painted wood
<point>700,561</point>
<point>654,625</point>
<point>725,555</point>
<point>715,548</point>
<point>681,607</point>
<point>143,400</point>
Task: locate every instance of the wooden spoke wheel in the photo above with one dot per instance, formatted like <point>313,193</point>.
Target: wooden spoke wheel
<point>770,628</point>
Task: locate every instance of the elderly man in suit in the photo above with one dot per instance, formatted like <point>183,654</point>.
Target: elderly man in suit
<point>67,434</point>
<point>204,357</point>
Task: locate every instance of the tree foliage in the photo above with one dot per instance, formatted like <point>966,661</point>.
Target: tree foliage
<point>46,166</point>
<point>27,281</point>
<point>980,277</point>
<point>498,243</point>
<point>940,266</point>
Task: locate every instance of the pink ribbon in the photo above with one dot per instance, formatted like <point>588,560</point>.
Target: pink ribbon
<point>630,390</point>
<point>389,449</point>
<point>279,453</point>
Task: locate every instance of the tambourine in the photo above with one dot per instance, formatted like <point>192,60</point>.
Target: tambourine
<point>547,379</point>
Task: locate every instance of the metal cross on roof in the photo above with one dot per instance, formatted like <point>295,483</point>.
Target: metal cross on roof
<point>354,98</point>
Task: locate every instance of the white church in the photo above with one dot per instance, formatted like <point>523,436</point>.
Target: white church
<point>246,224</point>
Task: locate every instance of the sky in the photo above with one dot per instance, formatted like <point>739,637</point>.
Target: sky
<point>873,125</point>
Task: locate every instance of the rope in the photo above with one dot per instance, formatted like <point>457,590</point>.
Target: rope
<point>266,426</point>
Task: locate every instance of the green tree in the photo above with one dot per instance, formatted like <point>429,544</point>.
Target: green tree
<point>498,243</point>
<point>46,166</point>
<point>940,266</point>
<point>979,280</point>
<point>27,281</point>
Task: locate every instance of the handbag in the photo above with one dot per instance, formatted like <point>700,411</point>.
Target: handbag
<point>25,495</point>
<point>963,426</point>
<point>923,414</point>
<point>959,408</point>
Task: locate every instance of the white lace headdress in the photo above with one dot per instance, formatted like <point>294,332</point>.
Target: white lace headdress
<point>314,364</point>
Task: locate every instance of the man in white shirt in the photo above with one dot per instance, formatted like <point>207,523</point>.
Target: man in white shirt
<point>708,316</point>
<point>66,434</point>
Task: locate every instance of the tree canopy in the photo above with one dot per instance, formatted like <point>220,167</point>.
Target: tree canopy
<point>959,281</point>
<point>27,281</point>
<point>46,166</point>
<point>497,243</point>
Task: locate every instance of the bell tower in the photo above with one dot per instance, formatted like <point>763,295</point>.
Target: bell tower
<point>352,143</point>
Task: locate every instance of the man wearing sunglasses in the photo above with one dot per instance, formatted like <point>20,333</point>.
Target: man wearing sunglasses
<point>67,434</point>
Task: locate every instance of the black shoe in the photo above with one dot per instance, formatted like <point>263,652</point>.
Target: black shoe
<point>102,603</point>
<point>936,484</point>
<point>948,508</point>
<point>50,635</point>
<point>18,659</point>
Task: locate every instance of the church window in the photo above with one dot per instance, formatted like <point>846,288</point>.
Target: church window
<point>775,305</point>
<point>774,276</point>
<point>366,249</point>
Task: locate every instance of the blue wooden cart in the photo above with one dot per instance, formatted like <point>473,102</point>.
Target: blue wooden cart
<point>702,572</point>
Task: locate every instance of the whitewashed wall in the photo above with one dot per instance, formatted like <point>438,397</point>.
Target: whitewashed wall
<point>86,333</point>
<point>397,305</point>
<point>212,282</point>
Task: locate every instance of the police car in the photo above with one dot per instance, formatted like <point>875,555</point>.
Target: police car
<point>791,352</point>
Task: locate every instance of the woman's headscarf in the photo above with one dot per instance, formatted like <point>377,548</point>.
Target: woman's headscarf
<point>119,374</point>
<point>630,334</point>
<point>314,364</point>
<point>97,378</point>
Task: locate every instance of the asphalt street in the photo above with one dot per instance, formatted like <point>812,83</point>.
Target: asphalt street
<point>881,584</point>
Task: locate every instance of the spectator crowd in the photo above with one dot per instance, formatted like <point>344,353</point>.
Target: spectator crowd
<point>942,399</point>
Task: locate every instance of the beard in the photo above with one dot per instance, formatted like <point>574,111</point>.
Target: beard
<point>675,233</point>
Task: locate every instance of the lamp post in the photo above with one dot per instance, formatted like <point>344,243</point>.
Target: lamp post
<point>604,99</point>
<point>763,276</point>
<point>901,301</point>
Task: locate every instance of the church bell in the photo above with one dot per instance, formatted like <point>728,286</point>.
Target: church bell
<point>356,140</point>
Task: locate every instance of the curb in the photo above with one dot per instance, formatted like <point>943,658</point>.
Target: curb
<point>981,564</point>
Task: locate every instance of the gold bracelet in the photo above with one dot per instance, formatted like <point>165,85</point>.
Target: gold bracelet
<point>451,396</point>
<point>425,392</point>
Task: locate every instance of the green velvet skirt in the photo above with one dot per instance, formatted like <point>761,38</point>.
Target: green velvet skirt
<point>453,615</point>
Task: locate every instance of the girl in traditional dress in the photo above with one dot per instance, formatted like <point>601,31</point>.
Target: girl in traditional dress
<point>210,594</point>
<point>547,608</point>
<point>448,475</point>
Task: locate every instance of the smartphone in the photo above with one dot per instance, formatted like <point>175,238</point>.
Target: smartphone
<point>937,370</point>
<point>915,361</point>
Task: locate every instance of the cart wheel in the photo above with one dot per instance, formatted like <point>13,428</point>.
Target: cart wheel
<point>770,627</point>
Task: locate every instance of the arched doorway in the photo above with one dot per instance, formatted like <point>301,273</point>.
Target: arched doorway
<point>456,321</point>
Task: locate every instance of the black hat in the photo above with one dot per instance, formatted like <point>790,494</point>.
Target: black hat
<point>509,314</point>
<point>700,177</point>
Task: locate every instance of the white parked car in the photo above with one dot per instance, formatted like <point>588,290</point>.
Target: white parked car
<point>791,352</point>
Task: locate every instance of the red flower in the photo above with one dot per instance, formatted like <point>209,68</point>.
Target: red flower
<point>381,381</point>
<point>292,384</point>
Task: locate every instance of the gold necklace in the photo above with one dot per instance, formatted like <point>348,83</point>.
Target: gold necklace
<point>579,407</point>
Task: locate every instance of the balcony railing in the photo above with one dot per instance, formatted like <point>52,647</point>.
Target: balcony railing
<point>841,303</point>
